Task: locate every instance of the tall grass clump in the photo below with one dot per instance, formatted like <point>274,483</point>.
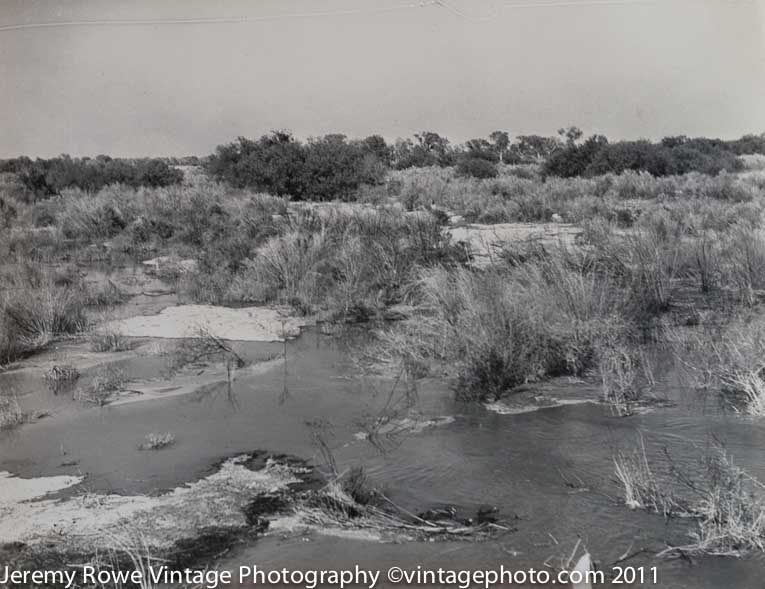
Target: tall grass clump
<point>497,329</point>
<point>642,489</point>
<point>731,510</point>
<point>730,361</point>
<point>725,501</point>
<point>745,260</point>
<point>349,265</point>
<point>110,340</point>
<point>11,414</point>
<point>105,383</point>
<point>34,310</point>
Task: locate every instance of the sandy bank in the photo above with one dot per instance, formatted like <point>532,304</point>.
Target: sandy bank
<point>254,324</point>
<point>485,241</point>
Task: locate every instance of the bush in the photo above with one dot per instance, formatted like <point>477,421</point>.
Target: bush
<point>476,167</point>
<point>673,156</point>
<point>323,168</point>
<point>34,311</point>
<point>49,177</point>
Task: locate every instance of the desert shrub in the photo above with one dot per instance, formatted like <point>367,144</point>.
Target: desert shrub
<point>48,177</point>
<point>322,168</point>
<point>89,217</point>
<point>476,167</point>
<point>672,156</point>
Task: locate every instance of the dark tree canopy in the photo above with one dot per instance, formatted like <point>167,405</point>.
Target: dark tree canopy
<point>322,168</point>
<point>46,177</point>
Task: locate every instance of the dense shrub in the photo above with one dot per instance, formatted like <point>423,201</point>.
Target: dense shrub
<point>476,167</point>
<point>324,168</point>
<point>48,177</point>
<point>672,156</point>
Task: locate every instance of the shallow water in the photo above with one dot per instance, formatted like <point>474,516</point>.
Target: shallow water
<point>518,463</point>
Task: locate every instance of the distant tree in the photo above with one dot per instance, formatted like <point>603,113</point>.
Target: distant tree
<point>48,177</point>
<point>533,148</point>
<point>480,148</point>
<point>322,168</point>
<point>376,145</point>
<point>501,141</point>
<point>428,149</point>
<point>571,135</point>
<point>574,160</point>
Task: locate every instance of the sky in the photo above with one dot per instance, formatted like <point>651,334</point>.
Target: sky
<point>129,79</point>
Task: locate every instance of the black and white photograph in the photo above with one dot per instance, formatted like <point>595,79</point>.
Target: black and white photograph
<point>382,293</point>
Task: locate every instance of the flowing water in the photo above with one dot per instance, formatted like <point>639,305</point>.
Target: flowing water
<point>549,472</point>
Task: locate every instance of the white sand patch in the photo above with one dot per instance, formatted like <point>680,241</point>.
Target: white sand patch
<point>14,489</point>
<point>485,241</point>
<point>90,521</point>
<point>254,324</point>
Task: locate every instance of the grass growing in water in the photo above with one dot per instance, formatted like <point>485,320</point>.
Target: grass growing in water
<point>496,329</point>
<point>110,340</point>
<point>725,501</point>
<point>11,414</point>
<point>107,381</point>
<point>156,441</point>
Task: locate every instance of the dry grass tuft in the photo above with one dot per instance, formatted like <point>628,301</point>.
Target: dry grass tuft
<point>156,441</point>
<point>11,414</point>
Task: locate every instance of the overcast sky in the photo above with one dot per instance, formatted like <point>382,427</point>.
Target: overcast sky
<point>624,68</point>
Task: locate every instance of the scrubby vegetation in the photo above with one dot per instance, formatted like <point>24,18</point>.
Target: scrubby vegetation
<point>668,255</point>
<point>44,178</point>
<point>35,306</point>
<point>654,245</point>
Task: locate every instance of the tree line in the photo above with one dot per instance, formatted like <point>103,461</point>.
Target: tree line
<point>47,177</point>
<point>334,166</point>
